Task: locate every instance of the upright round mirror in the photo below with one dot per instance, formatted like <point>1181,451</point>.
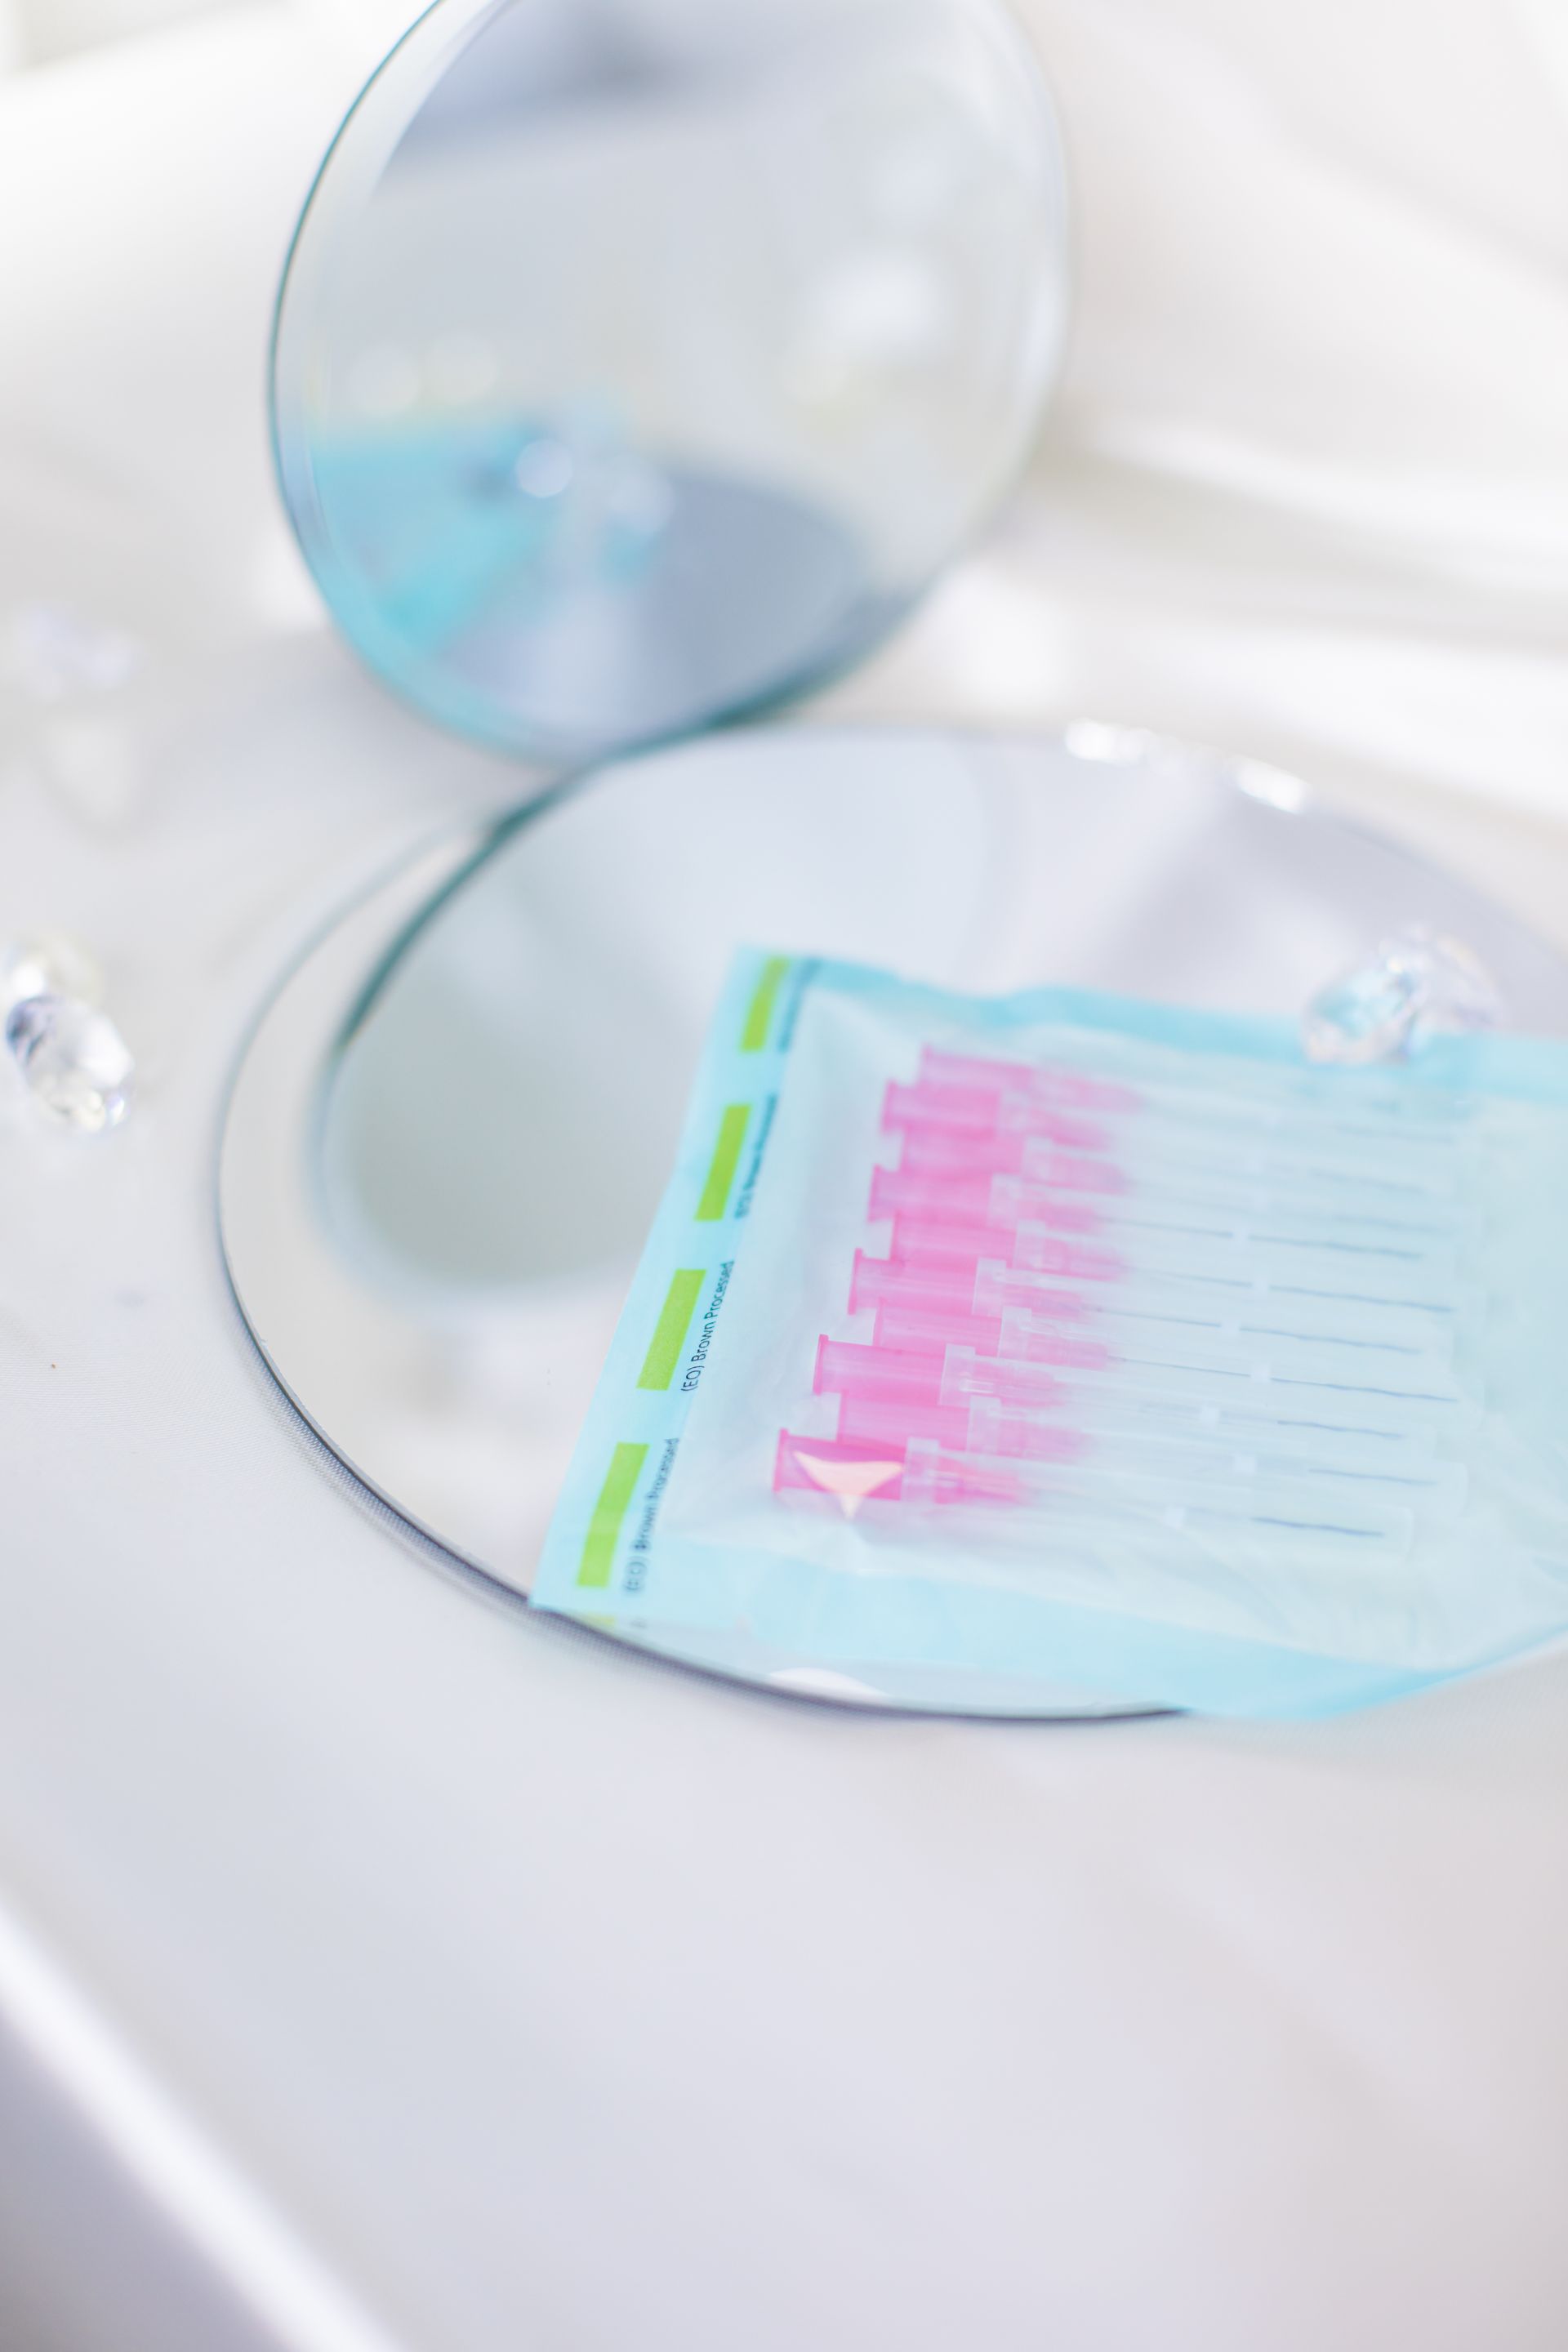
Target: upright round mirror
<point>638,361</point>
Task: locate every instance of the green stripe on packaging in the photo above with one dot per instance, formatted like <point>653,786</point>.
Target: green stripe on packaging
<point>669,1332</point>
<point>722,1166</point>
<point>759,1010</point>
<point>603,1529</point>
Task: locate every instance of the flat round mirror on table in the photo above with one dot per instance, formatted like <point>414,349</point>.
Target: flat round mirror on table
<point>454,1122</point>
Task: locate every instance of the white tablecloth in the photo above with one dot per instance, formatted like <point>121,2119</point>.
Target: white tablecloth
<point>378,1969</point>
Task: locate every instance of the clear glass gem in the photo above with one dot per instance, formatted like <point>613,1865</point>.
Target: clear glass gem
<point>1414,985</point>
<point>51,963</point>
<point>52,654</point>
<point>73,1059</point>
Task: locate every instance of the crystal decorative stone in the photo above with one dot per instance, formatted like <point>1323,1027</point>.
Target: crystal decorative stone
<point>51,963</point>
<point>1414,985</point>
<point>53,654</point>
<point>73,1059</point>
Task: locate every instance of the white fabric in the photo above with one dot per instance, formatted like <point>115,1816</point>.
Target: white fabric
<point>527,1995</point>
<point>37,32</point>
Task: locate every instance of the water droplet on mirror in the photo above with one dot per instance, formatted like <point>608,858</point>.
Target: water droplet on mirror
<point>544,467</point>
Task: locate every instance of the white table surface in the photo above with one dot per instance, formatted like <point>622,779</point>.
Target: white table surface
<point>381,1969</point>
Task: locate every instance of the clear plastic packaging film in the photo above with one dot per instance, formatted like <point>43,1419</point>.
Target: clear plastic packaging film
<point>1071,1335</point>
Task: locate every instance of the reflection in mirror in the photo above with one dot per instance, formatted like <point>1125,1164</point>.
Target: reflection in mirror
<point>638,360</point>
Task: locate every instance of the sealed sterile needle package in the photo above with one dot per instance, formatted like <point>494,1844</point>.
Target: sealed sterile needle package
<point>1066,1336</point>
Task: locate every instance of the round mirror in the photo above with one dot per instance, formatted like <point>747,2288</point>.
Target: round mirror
<point>639,362</point>
<point>437,1182</point>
